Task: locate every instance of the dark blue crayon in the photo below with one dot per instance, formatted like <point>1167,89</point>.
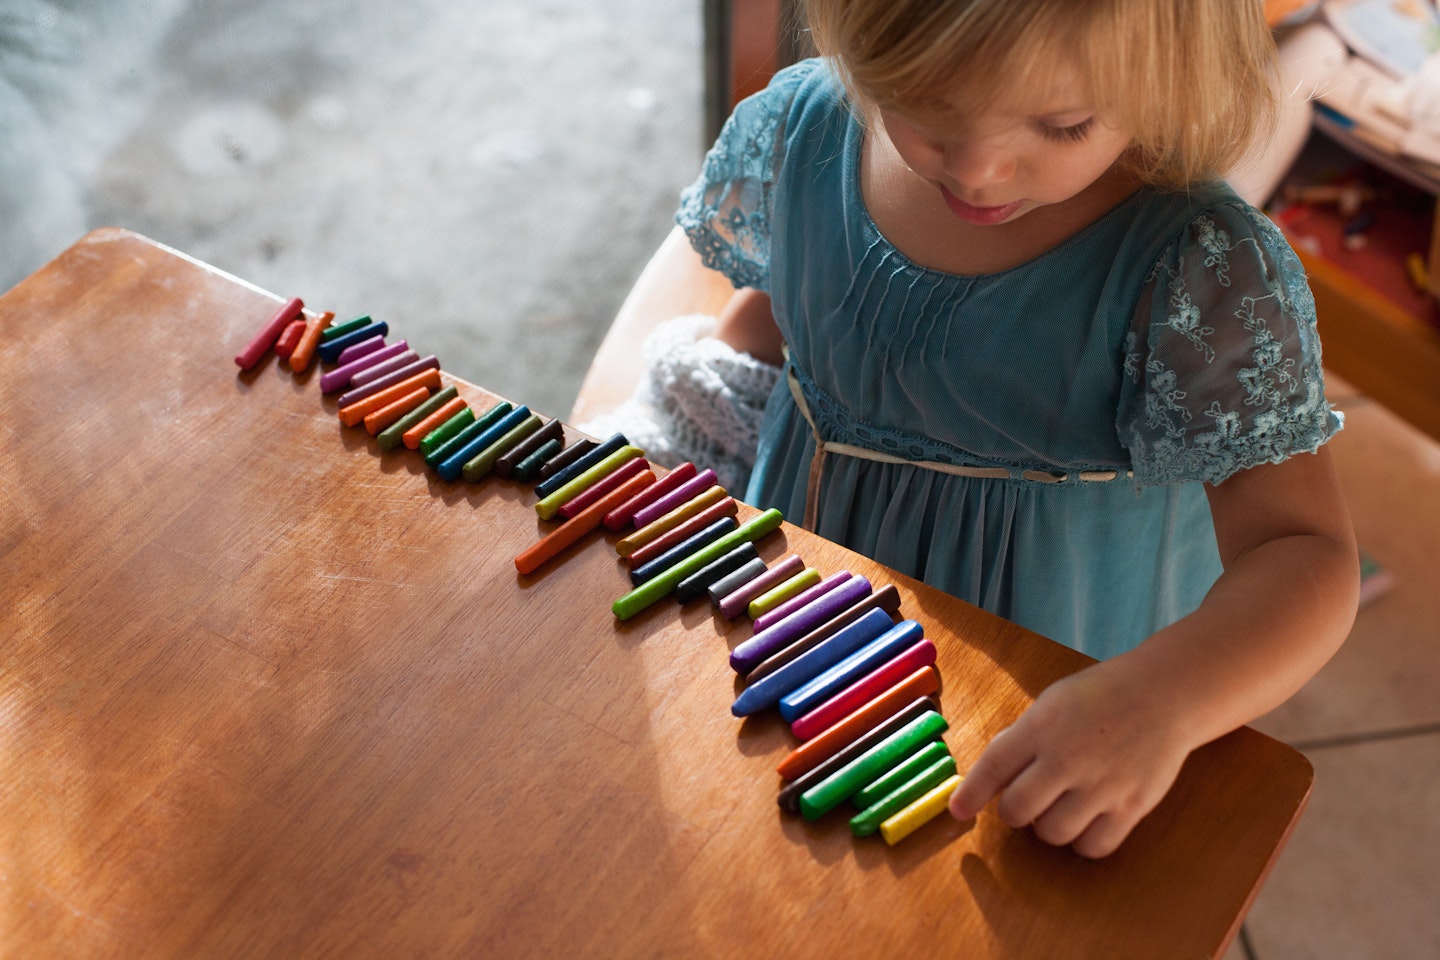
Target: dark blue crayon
<point>452,466</point>
<point>681,550</point>
<point>698,582</point>
<point>735,579</point>
<point>329,351</point>
<point>481,423</point>
<point>527,469</point>
<point>768,690</point>
<point>578,466</point>
<point>782,633</point>
<point>818,689</point>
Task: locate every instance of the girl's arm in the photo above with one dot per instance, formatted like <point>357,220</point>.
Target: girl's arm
<point>748,325</point>
<point>1099,749</point>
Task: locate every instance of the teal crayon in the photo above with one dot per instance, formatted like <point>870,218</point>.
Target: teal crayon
<point>477,466</point>
<point>528,469</point>
<point>391,436</point>
<point>661,585</point>
<point>471,430</point>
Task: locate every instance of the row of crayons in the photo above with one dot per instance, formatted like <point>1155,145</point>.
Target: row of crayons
<point>856,687</point>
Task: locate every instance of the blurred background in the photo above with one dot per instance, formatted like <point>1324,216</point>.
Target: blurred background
<point>490,177</point>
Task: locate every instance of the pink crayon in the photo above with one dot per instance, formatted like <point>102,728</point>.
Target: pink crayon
<point>265,339</point>
<point>339,378</point>
<point>684,493</point>
<point>389,380</point>
<point>623,515</point>
<point>357,350</point>
<point>732,604</point>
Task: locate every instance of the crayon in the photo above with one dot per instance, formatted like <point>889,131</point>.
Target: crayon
<point>869,819</point>
<point>602,487</point>
<point>887,598</point>
<point>849,728</point>
<point>528,470</point>
<point>803,598</point>
<point>589,519</point>
<point>451,467</point>
<point>355,412</point>
<point>662,505</point>
<point>388,366</point>
<point>897,776</point>
<point>290,338</point>
<point>899,638</point>
<point>479,465</point>
<point>919,813</point>
<point>567,456</point>
<point>866,688</point>
<point>789,798</point>
<point>450,429</point>
<point>735,579</point>
<point>357,350</point>
<point>681,550</point>
<point>428,417</point>
<point>727,507</point>
<point>392,436</point>
<point>347,326</point>
<point>783,591</point>
<point>781,633</point>
<point>698,582</point>
<point>784,568</point>
<point>265,339</point>
<point>378,420</point>
<point>580,464</point>
<point>305,349</point>
<point>826,795</point>
<point>339,378</point>
<point>569,483</point>
<point>554,430</point>
<point>413,365</point>
<point>652,590</point>
<point>629,544</point>
<point>768,691</point>
<point>623,515</point>
<point>330,349</point>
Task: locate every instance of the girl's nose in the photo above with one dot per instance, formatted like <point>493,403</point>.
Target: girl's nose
<point>979,163</point>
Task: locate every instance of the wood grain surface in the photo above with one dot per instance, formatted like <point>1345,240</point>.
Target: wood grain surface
<point>270,692</point>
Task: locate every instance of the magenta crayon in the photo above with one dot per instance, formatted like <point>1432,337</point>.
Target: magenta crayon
<point>733,604</point>
<point>371,374</point>
<point>863,690</point>
<point>602,487</point>
<point>339,378</point>
<point>787,630</point>
<point>623,515</point>
<point>357,350</point>
<point>265,339</point>
<point>390,379</point>
<point>688,490</point>
<point>804,597</point>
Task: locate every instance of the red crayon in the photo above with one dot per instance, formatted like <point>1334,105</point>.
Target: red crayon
<point>727,507</point>
<point>602,487</point>
<point>290,338</point>
<point>868,687</point>
<point>265,339</point>
<point>856,724</point>
<point>621,516</point>
<point>582,523</point>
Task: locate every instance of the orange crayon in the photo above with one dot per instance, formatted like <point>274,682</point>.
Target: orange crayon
<point>852,727</point>
<point>582,523</point>
<point>412,437</point>
<point>360,409</point>
<point>388,414</point>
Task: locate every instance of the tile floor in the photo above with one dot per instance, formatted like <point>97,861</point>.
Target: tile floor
<point>1360,878</point>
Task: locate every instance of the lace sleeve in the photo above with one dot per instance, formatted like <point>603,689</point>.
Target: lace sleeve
<point>726,212</point>
<point>1223,362</point>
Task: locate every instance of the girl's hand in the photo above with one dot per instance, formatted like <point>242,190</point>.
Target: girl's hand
<point>1090,757</point>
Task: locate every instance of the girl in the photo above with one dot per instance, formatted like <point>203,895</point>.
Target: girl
<point>1038,355</point>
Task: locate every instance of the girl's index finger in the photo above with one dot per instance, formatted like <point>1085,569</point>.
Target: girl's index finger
<point>1000,763</point>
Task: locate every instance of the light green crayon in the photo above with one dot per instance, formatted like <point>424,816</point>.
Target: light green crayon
<point>869,820</point>
<point>867,795</point>
<point>548,506</point>
<point>828,793</point>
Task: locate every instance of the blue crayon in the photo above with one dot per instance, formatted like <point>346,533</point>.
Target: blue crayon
<point>330,350</point>
<point>471,430</point>
<point>681,550</point>
<point>820,688</point>
<point>452,466</point>
<point>768,690</point>
<point>572,470</point>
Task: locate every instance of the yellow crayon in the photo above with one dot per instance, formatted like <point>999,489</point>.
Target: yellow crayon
<point>778,594</point>
<point>549,505</point>
<point>919,813</point>
<point>670,520</point>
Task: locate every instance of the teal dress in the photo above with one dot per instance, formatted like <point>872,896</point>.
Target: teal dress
<point>1035,440</point>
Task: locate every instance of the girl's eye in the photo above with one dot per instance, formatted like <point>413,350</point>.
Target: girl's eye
<point>1071,134</point>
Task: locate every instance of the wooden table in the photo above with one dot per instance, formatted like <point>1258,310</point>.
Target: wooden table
<point>269,691</point>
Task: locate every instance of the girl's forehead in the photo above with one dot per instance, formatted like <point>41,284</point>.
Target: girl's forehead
<point>1051,90</point>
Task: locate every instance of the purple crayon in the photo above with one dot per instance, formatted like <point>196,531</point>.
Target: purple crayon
<point>781,634</point>
<point>389,380</point>
<point>339,378</point>
<point>684,493</point>
<point>357,350</point>
<point>732,604</point>
<point>371,374</point>
<point>804,598</point>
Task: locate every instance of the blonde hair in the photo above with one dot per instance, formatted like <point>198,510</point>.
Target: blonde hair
<point>1193,80</point>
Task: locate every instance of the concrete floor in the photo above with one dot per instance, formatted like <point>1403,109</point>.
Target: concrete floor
<point>488,177</point>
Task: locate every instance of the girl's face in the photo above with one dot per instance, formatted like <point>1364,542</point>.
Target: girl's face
<point>997,166</point>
